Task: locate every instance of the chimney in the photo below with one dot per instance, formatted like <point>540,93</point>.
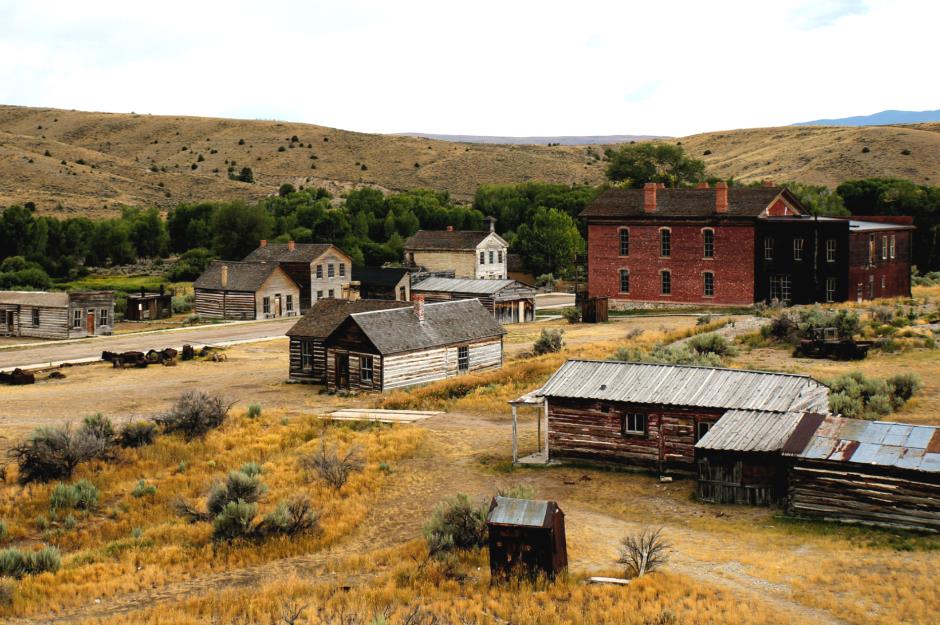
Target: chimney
<point>492,221</point>
<point>769,183</point>
<point>660,185</point>
<point>419,307</point>
<point>721,197</point>
<point>450,228</point>
<point>161,289</point>
<point>291,246</point>
<point>264,242</point>
<point>702,185</point>
<point>649,197</point>
<point>355,291</point>
<point>224,276</point>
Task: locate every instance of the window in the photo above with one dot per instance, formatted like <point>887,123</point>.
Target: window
<point>35,317</point>
<point>768,248</point>
<point>103,317</point>
<point>708,279</point>
<point>492,256</point>
<point>624,280</point>
<point>708,243</point>
<point>401,294</point>
<point>290,304</point>
<point>883,282</point>
<point>77,318</point>
<point>892,248</point>
<point>624,242</point>
<point>482,258</point>
<point>664,242</point>
<point>780,289</point>
<point>499,257</point>
<point>830,250</point>
<point>266,305</point>
<point>319,294</point>
<point>463,359</point>
<point>830,289</point>
<point>319,272</point>
<point>871,287</point>
<point>871,250</point>
<point>798,249</point>
<point>632,423</point>
<point>884,247</point>
<point>703,428</point>
<point>330,294</point>
<point>365,368</point>
<point>330,271</point>
<point>342,270</point>
<point>306,355</point>
<point>665,282</point>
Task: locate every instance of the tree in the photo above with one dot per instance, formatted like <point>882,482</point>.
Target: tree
<point>246,175</point>
<point>638,163</point>
<point>286,189</point>
<point>818,199</point>
<point>549,242</point>
<point>238,227</point>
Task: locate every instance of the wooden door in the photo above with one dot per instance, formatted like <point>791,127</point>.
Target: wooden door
<point>342,370</point>
<point>9,322</point>
<point>90,322</point>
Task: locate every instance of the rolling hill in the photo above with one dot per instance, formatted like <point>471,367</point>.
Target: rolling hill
<point>882,118</point>
<point>70,162</point>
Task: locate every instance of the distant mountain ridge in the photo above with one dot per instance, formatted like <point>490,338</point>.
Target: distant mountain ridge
<point>884,118</point>
<point>559,140</point>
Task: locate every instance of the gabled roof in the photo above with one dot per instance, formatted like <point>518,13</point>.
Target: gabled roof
<point>466,285</point>
<point>682,385</point>
<point>242,276</point>
<point>750,430</point>
<point>281,252</point>
<point>327,314</point>
<point>55,299</point>
<point>379,276</point>
<point>879,443</point>
<point>447,239</point>
<point>445,323</point>
<point>671,202</point>
<point>521,512</point>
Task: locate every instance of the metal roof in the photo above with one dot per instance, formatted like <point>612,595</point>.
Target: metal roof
<point>682,385</point>
<point>464,285</point>
<point>525,512</point>
<point>865,226</point>
<point>750,430</point>
<point>879,443</point>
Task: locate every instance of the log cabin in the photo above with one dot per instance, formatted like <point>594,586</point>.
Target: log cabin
<point>307,353</point>
<point>246,290</point>
<point>321,270</point>
<point>856,471</point>
<point>389,283</point>
<point>396,348</point>
<point>56,315</point>
<point>509,301</point>
<point>652,415</point>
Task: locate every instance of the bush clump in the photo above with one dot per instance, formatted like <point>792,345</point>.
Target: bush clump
<point>682,354</point>
<point>571,314</point>
<point>794,326</point>
<point>234,520</point>
<point>330,466</point>
<point>194,415</point>
<point>455,525</point>
<point>18,563</point>
<point>137,434</point>
<point>82,495</point>
<point>549,342</point>
<point>858,396</point>
<point>711,343</point>
<point>254,411</point>
<point>51,453</point>
<point>143,489</point>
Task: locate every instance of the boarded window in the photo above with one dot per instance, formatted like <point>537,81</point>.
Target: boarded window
<point>830,250</point>
<point>463,359</point>
<point>365,368</point>
<point>708,242</point>
<point>798,249</point>
<point>830,289</point>
<point>306,355</point>
<point>768,248</point>
<point>624,242</point>
<point>708,284</point>
<point>624,280</point>
<point>665,279</point>
<point>665,242</point>
<point>632,423</point>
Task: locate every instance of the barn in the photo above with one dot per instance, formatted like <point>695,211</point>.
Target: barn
<point>871,472</point>
<point>307,353</point>
<point>652,415</point>
<point>508,300</point>
<point>246,290</point>
<point>395,348</point>
<point>526,536</point>
<point>392,283</point>
<point>56,315</point>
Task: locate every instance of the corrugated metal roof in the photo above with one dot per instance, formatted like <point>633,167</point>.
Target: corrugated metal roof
<point>865,226</point>
<point>681,385</point>
<point>526,512</point>
<point>880,443</point>
<point>462,285</point>
<point>750,430</point>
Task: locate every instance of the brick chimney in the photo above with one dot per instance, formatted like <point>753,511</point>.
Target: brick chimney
<point>419,307</point>
<point>223,278</point>
<point>264,242</point>
<point>702,185</point>
<point>649,197</point>
<point>291,246</point>
<point>721,197</point>
<point>660,185</point>
<point>769,183</point>
<point>450,228</point>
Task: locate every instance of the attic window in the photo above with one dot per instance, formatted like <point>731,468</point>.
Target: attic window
<point>603,387</point>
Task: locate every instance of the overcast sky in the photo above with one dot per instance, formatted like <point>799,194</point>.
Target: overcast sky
<point>477,67</point>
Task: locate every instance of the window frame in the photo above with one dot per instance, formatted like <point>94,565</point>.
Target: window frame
<point>624,273</point>
<point>499,256</point>
<point>319,272</point>
<point>77,317</point>
<point>102,319</point>
<point>266,305</point>
<point>799,243</point>
<point>700,426</point>
<point>637,418</point>
<point>784,286</point>
<point>492,257</point>
<point>331,293</point>
<point>624,241</point>
<point>830,289</point>
<point>35,318</point>
<point>402,294</point>
<point>708,276</point>
<point>708,243</point>
<point>768,248</point>
<point>665,242</point>
<point>482,258</point>
<point>342,270</point>
<point>330,271</point>
<point>665,282</point>
<point>306,355</point>
<point>363,369</point>
<point>289,303</point>
<point>831,250</point>
<point>893,247</point>
<point>319,294</point>
<point>463,359</point>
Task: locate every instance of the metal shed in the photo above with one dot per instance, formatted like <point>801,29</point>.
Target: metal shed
<point>526,537</point>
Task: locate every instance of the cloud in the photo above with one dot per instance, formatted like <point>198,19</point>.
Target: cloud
<point>823,13</point>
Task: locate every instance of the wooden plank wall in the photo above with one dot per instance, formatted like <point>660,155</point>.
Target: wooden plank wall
<point>439,363</point>
<point>238,304</point>
<point>875,495</point>
<point>53,321</point>
<point>318,371</point>
<point>355,379</point>
<point>277,282</point>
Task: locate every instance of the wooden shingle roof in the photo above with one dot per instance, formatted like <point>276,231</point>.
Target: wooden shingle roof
<point>670,202</point>
<point>242,276</point>
<point>326,314</point>
<point>379,276</point>
<point>446,239</point>
<point>281,252</point>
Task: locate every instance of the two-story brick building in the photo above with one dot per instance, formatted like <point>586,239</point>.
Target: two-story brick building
<point>737,246</point>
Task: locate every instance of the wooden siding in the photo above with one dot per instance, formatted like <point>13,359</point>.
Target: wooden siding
<point>277,284</point>
<point>355,369</point>
<point>55,322</point>
<point>870,495</point>
<point>215,304</point>
<point>317,372</point>
<point>728,477</point>
<point>505,308</point>
<point>339,284</point>
<point>462,263</point>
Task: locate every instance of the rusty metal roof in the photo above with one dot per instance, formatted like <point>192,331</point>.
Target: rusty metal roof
<point>525,512</point>
<point>682,385</point>
<point>880,443</point>
<point>750,430</point>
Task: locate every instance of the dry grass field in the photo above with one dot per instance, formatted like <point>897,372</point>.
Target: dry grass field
<point>730,565</point>
<point>99,161</point>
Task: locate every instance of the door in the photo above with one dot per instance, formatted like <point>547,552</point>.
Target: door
<point>341,362</point>
<point>90,322</point>
<point>8,324</point>
<point>277,304</point>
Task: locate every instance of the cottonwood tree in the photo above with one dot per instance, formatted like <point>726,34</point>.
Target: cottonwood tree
<point>639,163</point>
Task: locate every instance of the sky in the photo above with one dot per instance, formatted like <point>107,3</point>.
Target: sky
<point>518,68</point>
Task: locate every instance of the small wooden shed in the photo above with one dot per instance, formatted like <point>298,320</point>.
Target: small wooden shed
<point>144,306</point>
<point>509,301</point>
<point>526,536</point>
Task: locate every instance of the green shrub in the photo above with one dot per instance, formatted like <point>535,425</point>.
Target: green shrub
<point>858,396</point>
<point>234,520</point>
<point>546,281</point>
<point>456,524</point>
<point>846,405</point>
<point>291,517</point>
<point>17,563</point>
<point>142,489</point>
<point>137,434</point>
<point>549,341</point>
<point>254,411</point>
<point>903,386</point>
<point>682,354</point>
<point>518,491</point>
<point>251,469</point>
<point>82,495</point>
<point>571,314</point>
<point>194,415</point>
<point>711,343</point>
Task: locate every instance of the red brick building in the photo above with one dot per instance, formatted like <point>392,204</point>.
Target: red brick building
<point>737,246</point>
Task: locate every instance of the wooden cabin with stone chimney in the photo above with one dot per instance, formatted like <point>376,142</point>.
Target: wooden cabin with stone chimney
<point>470,254</point>
<point>322,270</point>
<point>246,290</point>
<point>395,348</point>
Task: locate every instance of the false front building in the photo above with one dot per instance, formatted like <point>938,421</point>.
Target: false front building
<point>657,246</point>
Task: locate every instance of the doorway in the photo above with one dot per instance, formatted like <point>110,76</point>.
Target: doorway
<point>341,362</point>
<point>90,322</point>
<point>8,322</point>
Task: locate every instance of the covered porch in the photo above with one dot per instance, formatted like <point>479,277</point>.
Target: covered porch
<point>538,406</point>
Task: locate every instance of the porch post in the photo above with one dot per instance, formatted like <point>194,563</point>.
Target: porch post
<point>515,449</point>
<point>545,408</point>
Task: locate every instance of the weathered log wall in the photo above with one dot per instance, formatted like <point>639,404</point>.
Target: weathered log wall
<point>317,371</point>
<point>215,304</point>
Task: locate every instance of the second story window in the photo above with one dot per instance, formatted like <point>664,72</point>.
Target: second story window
<point>330,271</point>
<point>342,270</point>
<point>830,250</point>
<point>491,256</point>
<point>884,247</point>
<point>708,242</point>
<point>665,242</point>
<point>768,248</point>
<point>893,248</point>
<point>624,242</point>
<point>482,258</point>
<point>319,272</point>
<point>798,249</point>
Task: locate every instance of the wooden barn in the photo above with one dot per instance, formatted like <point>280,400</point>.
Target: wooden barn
<point>389,283</point>
<point>652,415</point>
<point>321,270</point>
<point>56,315</point>
<point>870,472</point>
<point>307,353</point>
<point>509,301</point>
<point>739,459</point>
<point>145,306</point>
<point>526,537</point>
<point>395,348</point>
<point>246,290</point>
